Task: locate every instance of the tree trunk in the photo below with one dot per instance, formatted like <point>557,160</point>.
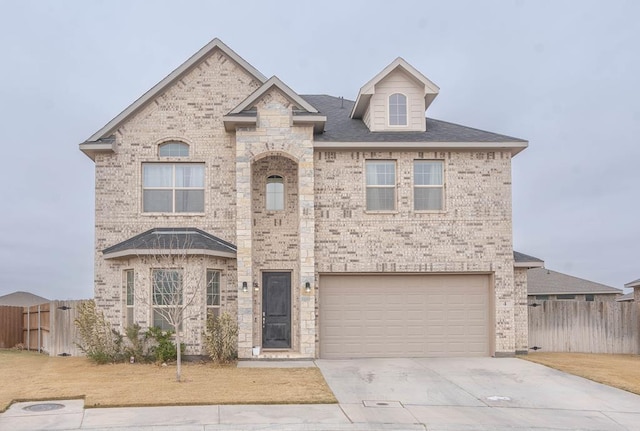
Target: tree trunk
<point>179,356</point>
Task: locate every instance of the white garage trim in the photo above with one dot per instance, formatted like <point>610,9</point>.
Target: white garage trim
<point>405,315</point>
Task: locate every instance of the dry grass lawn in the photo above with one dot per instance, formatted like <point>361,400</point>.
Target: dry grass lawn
<point>28,376</point>
<point>620,371</point>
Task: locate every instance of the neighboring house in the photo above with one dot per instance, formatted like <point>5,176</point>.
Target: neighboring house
<point>331,228</point>
<point>630,297</point>
<point>22,299</point>
<point>545,284</point>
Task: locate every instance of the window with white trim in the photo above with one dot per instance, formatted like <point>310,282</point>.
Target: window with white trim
<point>428,185</point>
<point>173,187</point>
<point>275,193</point>
<point>213,292</point>
<point>173,149</point>
<point>381,185</point>
<point>166,297</point>
<point>129,297</point>
<point>397,109</point>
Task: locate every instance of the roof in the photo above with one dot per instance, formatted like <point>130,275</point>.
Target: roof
<point>171,241</point>
<point>340,127</point>
<point>634,283</point>
<point>627,297</point>
<point>542,281</point>
<point>22,299</point>
<point>522,260</point>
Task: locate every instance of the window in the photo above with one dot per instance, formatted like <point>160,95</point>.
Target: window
<point>397,110</point>
<point>542,297</point>
<point>381,185</point>
<point>565,296</point>
<point>173,149</point>
<point>213,292</point>
<point>173,187</point>
<point>428,185</point>
<point>166,297</point>
<point>275,193</point>
<point>129,294</point>
<point>589,298</point>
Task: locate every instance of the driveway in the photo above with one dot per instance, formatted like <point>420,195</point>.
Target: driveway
<point>476,393</point>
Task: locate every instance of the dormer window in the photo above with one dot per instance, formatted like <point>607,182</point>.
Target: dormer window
<point>397,110</point>
<point>173,149</point>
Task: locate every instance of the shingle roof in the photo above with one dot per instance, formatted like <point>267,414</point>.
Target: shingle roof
<point>542,281</point>
<point>627,297</point>
<point>526,259</point>
<point>341,128</point>
<point>161,240</point>
<point>22,299</point>
<point>633,283</point>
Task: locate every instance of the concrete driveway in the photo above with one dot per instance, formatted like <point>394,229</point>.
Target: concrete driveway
<point>476,394</point>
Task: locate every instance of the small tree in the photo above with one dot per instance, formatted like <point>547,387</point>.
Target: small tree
<point>178,284</point>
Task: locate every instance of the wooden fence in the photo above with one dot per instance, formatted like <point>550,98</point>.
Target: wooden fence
<point>588,327</point>
<point>10,326</point>
<point>48,327</point>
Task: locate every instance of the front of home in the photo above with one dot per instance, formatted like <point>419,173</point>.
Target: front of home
<point>330,228</point>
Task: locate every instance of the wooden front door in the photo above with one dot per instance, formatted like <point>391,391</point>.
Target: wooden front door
<point>276,310</point>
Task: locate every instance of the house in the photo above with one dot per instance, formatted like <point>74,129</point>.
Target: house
<point>545,284</point>
<point>22,299</point>
<point>331,228</point>
<point>630,297</point>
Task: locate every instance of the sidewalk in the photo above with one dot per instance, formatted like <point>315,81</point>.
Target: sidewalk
<point>73,416</point>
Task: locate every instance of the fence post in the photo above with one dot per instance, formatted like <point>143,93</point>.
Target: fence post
<point>29,328</point>
<point>39,329</point>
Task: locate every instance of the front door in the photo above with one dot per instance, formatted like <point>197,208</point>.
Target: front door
<point>276,310</point>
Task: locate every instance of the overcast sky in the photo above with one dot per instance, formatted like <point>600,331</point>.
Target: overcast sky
<point>561,74</point>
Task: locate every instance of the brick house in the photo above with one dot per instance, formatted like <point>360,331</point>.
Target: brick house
<point>331,228</point>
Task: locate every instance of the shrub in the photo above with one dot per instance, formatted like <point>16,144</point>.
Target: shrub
<point>164,349</point>
<point>98,340</point>
<point>221,338</point>
<point>138,345</point>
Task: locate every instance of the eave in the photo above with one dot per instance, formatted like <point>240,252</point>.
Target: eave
<point>513,147</point>
<point>528,265</point>
<point>167,252</point>
<point>91,149</point>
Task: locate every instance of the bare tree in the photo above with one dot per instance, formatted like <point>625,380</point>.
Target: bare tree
<point>177,282</point>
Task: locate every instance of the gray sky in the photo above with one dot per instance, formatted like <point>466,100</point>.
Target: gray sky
<point>561,74</point>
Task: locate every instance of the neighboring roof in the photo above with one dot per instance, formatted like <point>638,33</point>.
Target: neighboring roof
<point>521,260</point>
<point>171,241</point>
<point>22,299</point>
<point>89,146</point>
<point>342,129</point>
<point>542,281</point>
<point>627,297</point>
<point>634,283</point>
<point>304,112</point>
<point>364,95</point>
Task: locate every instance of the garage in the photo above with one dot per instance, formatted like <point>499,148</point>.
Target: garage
<point>404,316</point>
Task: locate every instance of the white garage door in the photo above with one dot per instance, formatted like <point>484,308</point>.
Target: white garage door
<point>404,315</point>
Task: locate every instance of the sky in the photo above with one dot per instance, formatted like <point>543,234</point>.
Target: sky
<point>561,74</point>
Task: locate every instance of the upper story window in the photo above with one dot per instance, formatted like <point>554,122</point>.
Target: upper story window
<point>173,149</point>
<point>428,185</point>
<point>173,187</point>
<point>397,110</point>
<point>381,185</point>
<point>275,193</point>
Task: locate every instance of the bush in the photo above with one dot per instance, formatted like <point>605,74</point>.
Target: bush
<point>164,349</point>
<point>98,340</point>
<point>138,346</point>
<point>221,338</point>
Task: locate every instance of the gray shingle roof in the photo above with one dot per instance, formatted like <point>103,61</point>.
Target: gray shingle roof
<point>341,128</point>
<point>542,281</point>
<point>22,299</point>
<point>627,297</point>
<point>633,283</point>
<point>521,258</point>
<point>172,239</point>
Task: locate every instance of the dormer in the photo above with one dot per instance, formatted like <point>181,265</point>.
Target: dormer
<point>396,99</point>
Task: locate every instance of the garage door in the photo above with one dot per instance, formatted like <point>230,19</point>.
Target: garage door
<point>404,315</point>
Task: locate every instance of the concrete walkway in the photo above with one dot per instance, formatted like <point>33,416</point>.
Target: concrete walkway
<point>383,394</point>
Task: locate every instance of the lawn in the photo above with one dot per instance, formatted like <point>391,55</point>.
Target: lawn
<point>620,371</point>
<point>27,376</point>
